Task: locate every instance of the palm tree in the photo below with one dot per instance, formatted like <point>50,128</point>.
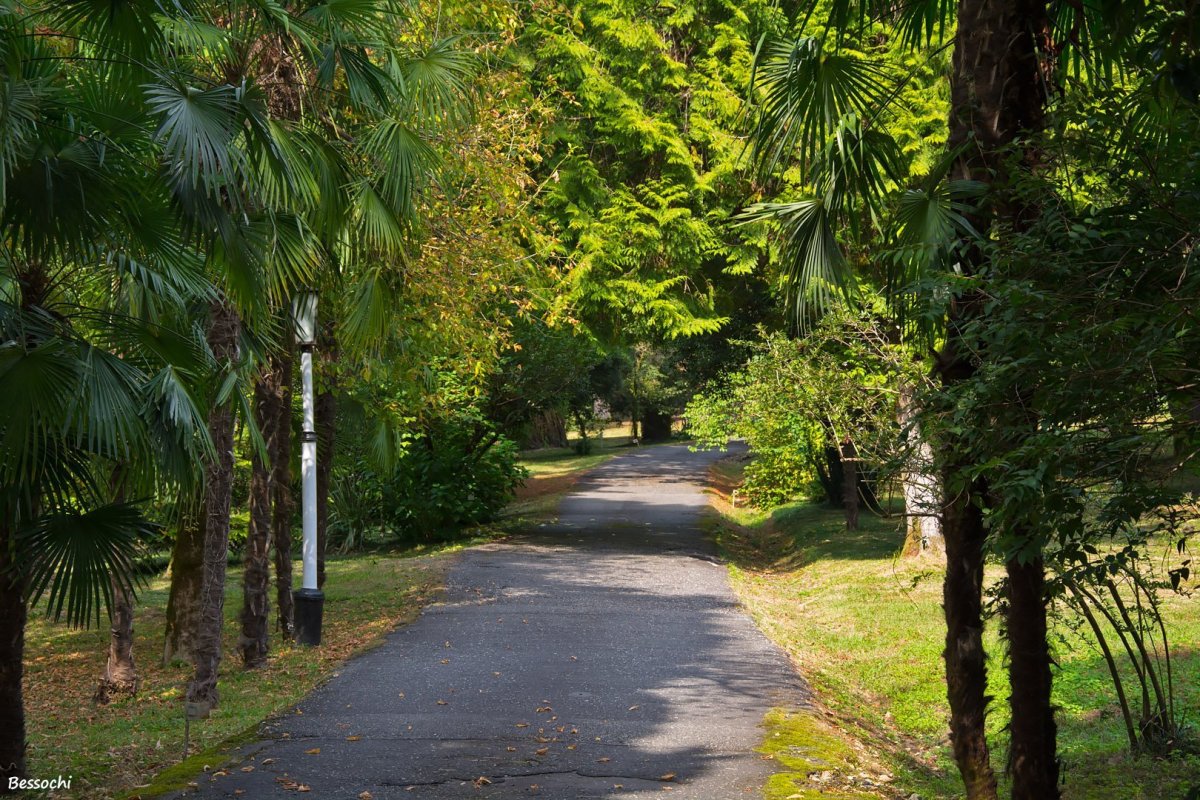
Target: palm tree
<point>102,394</point>
<point>286,140</point>
<point>824,104</point>
<point>134,140</point>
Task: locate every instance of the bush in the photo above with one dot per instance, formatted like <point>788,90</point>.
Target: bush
<point>453,475</point>
<point>447,480</point>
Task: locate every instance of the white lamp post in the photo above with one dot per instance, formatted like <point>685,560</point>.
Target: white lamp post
<point>310,601</point>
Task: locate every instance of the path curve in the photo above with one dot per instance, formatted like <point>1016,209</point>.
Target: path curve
<point>604,650</point>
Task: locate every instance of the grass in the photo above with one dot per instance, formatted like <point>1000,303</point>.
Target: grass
<point>110,750</point>
<point>865,628</point>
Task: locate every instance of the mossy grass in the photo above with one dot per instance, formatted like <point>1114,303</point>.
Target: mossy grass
<point>816,759</point>
<point>179,776</point>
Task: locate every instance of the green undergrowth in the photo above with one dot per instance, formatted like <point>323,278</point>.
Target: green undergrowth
<point>865,627</point>
<point>183,774</point>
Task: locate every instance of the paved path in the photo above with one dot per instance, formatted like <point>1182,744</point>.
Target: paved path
<point>603,651</point>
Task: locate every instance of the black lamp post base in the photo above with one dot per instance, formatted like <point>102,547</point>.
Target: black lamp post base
<point>310,607</point>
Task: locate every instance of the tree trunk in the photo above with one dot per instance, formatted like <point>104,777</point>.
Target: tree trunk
<point>966,661</point>
<point>183,602</point>
<point>224,329</point>
<point>1184,408</point>
<point>656,425</point>
<point>829,473</point>
<point>325,413</point>
<point>850,484</point>
<point>12,655</point>
<point>281,482</point>
<point>256,577</point>
<point>997,95</point>
<point>120,673</point>
<point>919,484</point>
<point>1033,730</point>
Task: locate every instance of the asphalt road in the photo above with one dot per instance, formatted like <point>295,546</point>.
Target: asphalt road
<point>600,656</point>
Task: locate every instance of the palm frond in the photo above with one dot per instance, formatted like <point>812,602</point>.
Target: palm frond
<point>806,93</point>
<point>128,27</point>
<point>73,558</point>
<point>37,383</point>
<point>814,268</point>
<point>857,168</point>
<point>196,132</point>
<point>371,309</point>
<point>402,160</point>
<point>437,82</point>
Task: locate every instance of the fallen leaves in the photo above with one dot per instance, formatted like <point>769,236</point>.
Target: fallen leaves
<point>315,751</point>
<point>670,776</point>
<point>482,780</point>
<point>365,796</point>
<point>355,738</point>
<point>541,751</point>
<point>291,785</point>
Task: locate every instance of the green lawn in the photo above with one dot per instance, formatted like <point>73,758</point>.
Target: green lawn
<point>112,749</point>
<point>866,629</point>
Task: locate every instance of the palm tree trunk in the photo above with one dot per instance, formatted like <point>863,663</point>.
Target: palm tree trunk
<point>120,673</point>
<point>256,577</point>
<point>281,483</point>
<point>223,332</point>
<point>183,601</point>
<point>1033,730</point>
<point>966,660</point>
<point>12,655</point>
<point>998,95</point>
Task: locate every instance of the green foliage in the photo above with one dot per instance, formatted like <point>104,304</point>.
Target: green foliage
<point>452,476</point>
<point>796,400</point>
<point>640,165</point>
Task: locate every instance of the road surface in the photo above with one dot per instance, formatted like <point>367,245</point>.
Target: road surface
<point>600,656</point>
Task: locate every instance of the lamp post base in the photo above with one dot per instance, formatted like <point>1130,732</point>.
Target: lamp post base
<point>310,607</point>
